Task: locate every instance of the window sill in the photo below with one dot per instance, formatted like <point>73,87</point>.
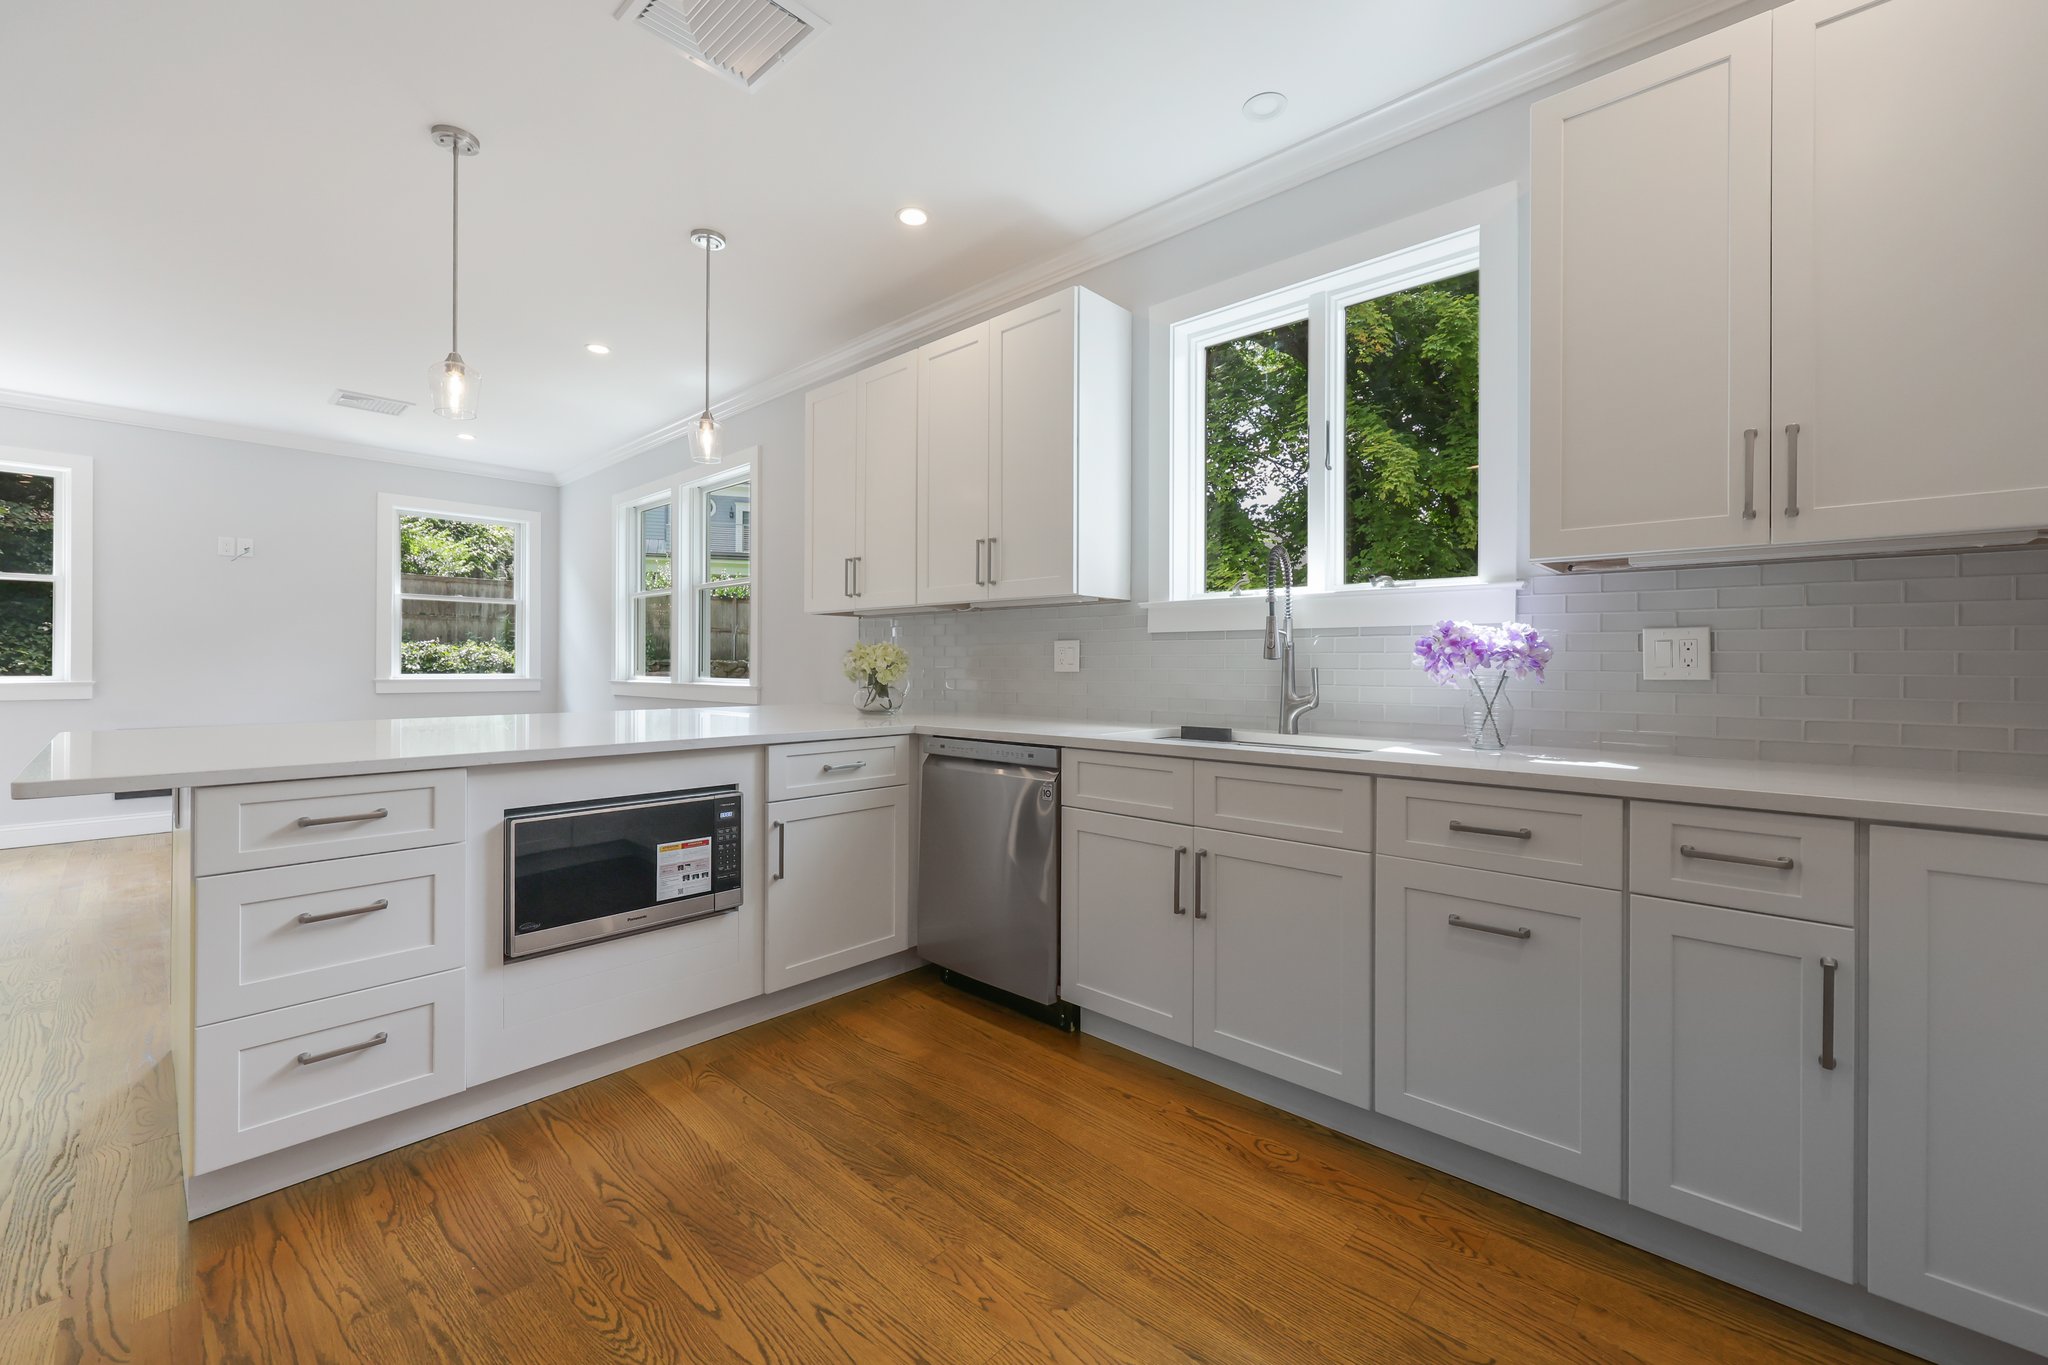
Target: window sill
<point>1417,605</point>
<point>725,693</point>
<point>457,682</point>
<point>43,689</point>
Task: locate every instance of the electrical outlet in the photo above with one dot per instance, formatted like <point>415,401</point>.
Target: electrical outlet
<point>1066,656</point>
<point>1678,653</point>
<point>244,547</point>
<point>225,547</point>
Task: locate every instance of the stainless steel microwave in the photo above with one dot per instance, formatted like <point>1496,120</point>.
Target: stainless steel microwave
<point>590,870</point>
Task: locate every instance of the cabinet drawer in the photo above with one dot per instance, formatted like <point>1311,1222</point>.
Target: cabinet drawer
<point>269,824</point>
<point>837,765</point>
<point>1536,834</point>
<point>273,1080</point>
<point>285,935</point>
<point>1129,784</point>
<point>1300,804</point>
<point>1498,1015</point>
<point>1797,865</point>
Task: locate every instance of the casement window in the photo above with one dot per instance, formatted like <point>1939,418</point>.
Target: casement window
<point>45,576</point>
<point>1357,408</point>
<point>454,603</point>
<point>686,606</point>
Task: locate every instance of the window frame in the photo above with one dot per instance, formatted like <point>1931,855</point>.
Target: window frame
<point>1478,233</point>
<point>387,678</point>
<point>70,576</point>
<point>685,493</point>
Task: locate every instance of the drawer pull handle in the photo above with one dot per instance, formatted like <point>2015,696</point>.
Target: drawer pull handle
<point>308,1058</point>
<point>1201,857</point>
<point>315,821</point>
<point>1688,851</point>
<point>854,766</point>
<point>1460,827</point>
<point>310,918</point>
<point>1179,856</point>
<point>1460,922</point>
<point>1827,1013</point>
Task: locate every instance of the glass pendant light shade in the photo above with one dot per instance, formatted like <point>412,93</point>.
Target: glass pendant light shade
<point>704,447</point>
<point>454,387</point>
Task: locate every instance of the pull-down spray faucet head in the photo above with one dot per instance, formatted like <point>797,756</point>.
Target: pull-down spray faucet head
<point>1277,566</point>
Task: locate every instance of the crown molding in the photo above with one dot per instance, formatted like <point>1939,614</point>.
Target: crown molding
<point>263,436</point>
<point>1527,66</point>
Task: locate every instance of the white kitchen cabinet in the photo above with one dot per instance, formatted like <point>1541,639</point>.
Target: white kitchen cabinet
<point>1651,304</point>
<point>953,469</point>
<point>1742,1078</point>
<point>838,883</point>
<point>1283,960</point>
<point>1497,1014</point>
<point>1126,944</point>
<point>1910,291</point>
<point>1958,1199</point>
<point>860,490</point>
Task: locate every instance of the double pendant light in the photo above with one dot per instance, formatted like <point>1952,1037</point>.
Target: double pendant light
<point>453,383</point>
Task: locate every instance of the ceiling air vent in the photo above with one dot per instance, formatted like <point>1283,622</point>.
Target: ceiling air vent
<point>741,40</point>
<point>368,402</point>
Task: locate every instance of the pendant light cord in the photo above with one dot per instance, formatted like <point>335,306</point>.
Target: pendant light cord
<point>707,326</point>
<point>455,247</point>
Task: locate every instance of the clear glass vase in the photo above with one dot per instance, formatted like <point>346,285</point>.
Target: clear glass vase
<point>877,699</point>
<point>1489,715</point>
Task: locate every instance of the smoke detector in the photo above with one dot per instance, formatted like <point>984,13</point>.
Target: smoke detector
<point>369,402</point>
<point>740,40</point>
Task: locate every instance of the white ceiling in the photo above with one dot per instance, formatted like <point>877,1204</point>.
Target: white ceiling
<point>223,210</point>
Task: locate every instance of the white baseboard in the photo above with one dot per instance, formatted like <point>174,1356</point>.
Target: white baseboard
<point>1845,1305</point>
<point>216,1190</point>
<point>93,827</point>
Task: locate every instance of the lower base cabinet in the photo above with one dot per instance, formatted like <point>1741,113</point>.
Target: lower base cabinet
<point>1127,947</point>
<point>1498,1015</point>
<point>838,883</point>
<point>1742,1078</point>
<point>1958,1177</point>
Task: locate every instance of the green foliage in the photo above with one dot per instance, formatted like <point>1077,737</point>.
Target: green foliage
<point>26,642</point>
<point>28,521</point>
<point>443,656</point>
<point>446,548</point>
<point>1256,475</point>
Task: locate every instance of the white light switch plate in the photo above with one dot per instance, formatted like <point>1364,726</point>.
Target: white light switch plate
<point>1066,656</point>
<point>1678,653</point>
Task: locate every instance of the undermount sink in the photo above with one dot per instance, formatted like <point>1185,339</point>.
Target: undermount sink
<point>1257,739</point>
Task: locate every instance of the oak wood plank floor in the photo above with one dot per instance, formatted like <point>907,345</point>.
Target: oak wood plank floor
<point>901,1174</point>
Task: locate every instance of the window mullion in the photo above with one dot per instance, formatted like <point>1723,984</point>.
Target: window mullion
<point>1325,545</point>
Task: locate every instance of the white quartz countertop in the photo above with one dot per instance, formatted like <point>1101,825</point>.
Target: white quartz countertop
<point>82,762</point>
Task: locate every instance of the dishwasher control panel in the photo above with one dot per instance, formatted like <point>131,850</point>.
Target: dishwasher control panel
<point>993,751</point>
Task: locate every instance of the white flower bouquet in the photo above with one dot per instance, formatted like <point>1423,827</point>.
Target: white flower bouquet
<point>877,670</point>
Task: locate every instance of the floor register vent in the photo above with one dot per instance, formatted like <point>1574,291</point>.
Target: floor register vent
<point>741,40</point>
<point>368,402</point>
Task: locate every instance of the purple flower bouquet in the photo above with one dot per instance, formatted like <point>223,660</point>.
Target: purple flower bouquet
<point>1482,659</point>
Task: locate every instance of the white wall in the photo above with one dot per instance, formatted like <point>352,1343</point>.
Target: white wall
<point>184,637</point>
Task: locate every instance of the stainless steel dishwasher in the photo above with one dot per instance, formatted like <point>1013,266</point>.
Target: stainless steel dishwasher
<point>988,871</point>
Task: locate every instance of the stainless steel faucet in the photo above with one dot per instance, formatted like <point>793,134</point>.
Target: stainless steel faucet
<point>1294,704</point>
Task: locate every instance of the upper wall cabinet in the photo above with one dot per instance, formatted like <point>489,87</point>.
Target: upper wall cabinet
<point>1018,489</point>
<point>1786,290</point>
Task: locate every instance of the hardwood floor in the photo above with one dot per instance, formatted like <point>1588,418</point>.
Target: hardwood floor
<point>904,1173</point>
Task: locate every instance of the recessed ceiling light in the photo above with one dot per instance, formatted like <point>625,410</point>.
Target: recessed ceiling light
<point>1267,104</point>
<point>465,436</point>
<point>912,217</point>
<point>598,348</point>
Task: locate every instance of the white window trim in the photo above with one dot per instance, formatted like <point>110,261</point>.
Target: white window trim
<point>386,677</point>
<point>1482,231</point>
<point>70,578</point>
<point>682,492</point>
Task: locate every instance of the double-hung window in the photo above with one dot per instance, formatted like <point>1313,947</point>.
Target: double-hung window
<point>685,587</point>
<point>455,607</point>
<point>1357,409</point>
<point>45,576</point>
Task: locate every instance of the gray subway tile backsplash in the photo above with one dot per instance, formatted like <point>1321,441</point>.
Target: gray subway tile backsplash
<point>1932,662</point>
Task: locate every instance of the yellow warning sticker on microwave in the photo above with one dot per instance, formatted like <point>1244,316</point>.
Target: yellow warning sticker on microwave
<point>682,868</point>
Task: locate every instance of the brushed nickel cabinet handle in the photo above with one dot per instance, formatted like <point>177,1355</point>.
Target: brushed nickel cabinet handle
<point>1460,827</point>
<point>1749,475</point>
<point>781,833</point>
<point>1827,1013</point>
<point>980,579</point>
<point>991,561</point>
<point>308,1058</point>
<point>856,576</point>
<point>854,766</point>
<point>1707,854</point>
<point>326,915</point>
<point>315,821</point>
<point>1460,922</point>
<point>1201,857</point>
<point>846,577</point>
<point>1792,469</point>
<point>1179,856</point>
